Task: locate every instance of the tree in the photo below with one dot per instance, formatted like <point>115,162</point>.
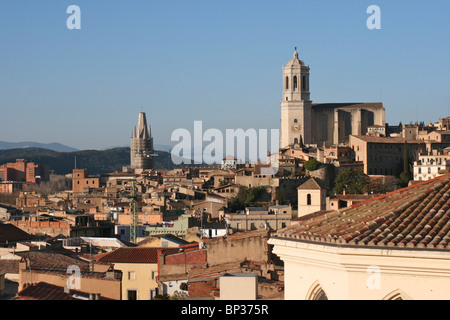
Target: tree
<point>312,164</point>
<point>252,195</point>
<point>352,181</point>
<point>246,197</point>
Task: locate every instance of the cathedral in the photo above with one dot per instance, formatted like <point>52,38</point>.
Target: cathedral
<point>321,124</point>
<point>141,145</point>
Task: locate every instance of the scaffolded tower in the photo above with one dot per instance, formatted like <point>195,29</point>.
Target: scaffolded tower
<point>141,145</point>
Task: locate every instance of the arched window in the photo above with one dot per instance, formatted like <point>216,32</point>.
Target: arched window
<point>316,292</point>
<point>321,295</point>
<point>397,295</point>
<point>304,83</point>
<point>295,83</point>
<point>308,199</point>
<point>287,83</point>
<point>295,140</point>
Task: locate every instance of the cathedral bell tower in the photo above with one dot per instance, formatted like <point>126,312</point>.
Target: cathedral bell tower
<point>141,147</point>
<point>296,104</point>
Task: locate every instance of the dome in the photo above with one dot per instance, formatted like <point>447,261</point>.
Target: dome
<point>295,61</point>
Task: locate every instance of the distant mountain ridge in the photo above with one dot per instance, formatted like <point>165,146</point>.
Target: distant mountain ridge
<point>55,146</point>
<point>96,161</point>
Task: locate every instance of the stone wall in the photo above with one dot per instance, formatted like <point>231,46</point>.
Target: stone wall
<point>51,228</point>
<point>241,246</point>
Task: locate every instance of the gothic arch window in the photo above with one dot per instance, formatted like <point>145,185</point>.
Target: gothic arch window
<point>397,295</point>
<point>308,199</point>
<point>316,292</point>
<point>295,83</point>
<point>287,83</point>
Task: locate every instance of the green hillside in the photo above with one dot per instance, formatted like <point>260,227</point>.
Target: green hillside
<point>96,161</point>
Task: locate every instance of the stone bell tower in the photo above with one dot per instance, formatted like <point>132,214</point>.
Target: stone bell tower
<point>296,104</point>
<point>141,145</point>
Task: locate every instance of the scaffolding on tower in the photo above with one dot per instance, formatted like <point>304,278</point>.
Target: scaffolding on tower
<point>133,212</point>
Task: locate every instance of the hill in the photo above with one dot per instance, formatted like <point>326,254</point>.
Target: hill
<point>96,161</point>
<point>28,144</point>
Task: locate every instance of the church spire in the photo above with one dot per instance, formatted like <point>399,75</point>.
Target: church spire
<point>141,146</point>
<point>142,126</point>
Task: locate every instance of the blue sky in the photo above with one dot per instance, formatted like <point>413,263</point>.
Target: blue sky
<point>215,61</point>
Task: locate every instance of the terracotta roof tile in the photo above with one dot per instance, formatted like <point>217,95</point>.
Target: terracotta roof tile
<point>9,232</point>
<point>417,216</point>
<point>47,291</point>
<point>311,184</point>
<point>135,255</point>
<point>50,262</point>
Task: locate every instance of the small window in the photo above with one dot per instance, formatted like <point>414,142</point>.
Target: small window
<point>131,275</point>
<point>308,199</point>
<point>287,83</point>
<point>132,295</point>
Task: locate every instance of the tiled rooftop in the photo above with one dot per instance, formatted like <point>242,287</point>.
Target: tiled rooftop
<point>47,291</point>
<point>311,184</point>
<point>414,217</point>
<point>9,266</point>
<point>43,291</point>
<point>135,255</point>
<point>57,263</point>
<point>11,233</point>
